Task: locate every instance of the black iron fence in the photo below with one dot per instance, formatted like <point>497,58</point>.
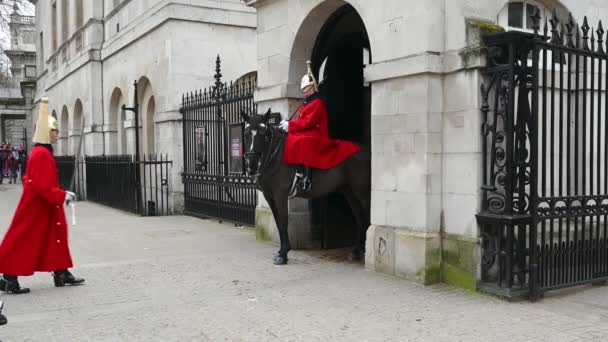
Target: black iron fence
<point>140,187</point>
<point>545,194</point>
<point>215,184</point>
<point>67,180</point>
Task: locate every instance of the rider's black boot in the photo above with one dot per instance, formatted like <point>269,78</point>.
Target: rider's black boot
<point>306,181</point>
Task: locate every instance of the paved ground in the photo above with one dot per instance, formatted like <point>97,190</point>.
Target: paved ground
<point>185,279</point>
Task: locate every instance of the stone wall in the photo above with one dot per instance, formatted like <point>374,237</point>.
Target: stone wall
<point>426,119</point>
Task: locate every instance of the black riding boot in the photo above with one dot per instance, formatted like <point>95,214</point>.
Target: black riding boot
<point>10,284</point>
<point>306,181</point>
<point>64,277</point>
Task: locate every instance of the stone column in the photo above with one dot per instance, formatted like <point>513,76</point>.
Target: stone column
<point>406,166</point>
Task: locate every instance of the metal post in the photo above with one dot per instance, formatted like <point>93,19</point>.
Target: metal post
<point>135,110</point>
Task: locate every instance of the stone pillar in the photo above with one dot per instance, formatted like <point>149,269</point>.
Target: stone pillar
<point>406,165</point>
<point>169,143</point>
<point>93,143</point>
<point>110,136</point>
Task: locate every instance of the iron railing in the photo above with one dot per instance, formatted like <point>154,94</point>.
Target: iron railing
<point>113,181</point>
<point>67,180</point>
<point>215,184</point>
<point>545,161</point>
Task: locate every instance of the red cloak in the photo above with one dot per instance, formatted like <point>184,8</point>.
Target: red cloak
<point>37,240</point>
<point>308,142</point>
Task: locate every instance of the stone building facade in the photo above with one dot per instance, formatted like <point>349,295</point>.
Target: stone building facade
<point>417,65</point>
<point>401,77</point>
<point>16,92</point>
<point>91,52</point>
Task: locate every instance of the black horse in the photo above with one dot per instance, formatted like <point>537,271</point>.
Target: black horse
<point>264,160</point>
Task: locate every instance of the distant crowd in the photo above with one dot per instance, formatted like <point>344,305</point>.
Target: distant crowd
<point>12,162</point>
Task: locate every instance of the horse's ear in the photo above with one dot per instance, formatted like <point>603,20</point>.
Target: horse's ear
<point>245,116</point>
<point>267,115</point>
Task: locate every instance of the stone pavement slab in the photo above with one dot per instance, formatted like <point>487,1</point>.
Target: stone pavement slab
<point>184,279</point>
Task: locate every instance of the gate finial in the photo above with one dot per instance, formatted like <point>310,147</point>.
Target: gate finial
<point>585,29</point>
<point>600,38</point>
<point>570,31</point>
<point>535,21</point>
<point>217,88</point>
<point>555,35</point>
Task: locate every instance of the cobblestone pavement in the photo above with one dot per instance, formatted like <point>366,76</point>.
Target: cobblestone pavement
<point>184,279</point>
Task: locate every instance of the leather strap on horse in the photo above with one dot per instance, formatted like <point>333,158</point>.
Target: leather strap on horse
<point>268,158</point>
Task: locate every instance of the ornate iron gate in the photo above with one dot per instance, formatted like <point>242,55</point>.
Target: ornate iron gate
<point>545,204</point>
<point>215,184</point>
<point>114,181</point>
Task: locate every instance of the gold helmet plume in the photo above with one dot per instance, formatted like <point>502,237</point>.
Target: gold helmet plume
<point>44,124</point>
<point>309,79</point>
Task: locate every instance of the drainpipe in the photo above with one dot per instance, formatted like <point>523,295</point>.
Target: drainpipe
<point>103,110</point>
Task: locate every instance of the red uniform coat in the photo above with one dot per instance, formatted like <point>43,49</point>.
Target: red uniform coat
<point>308,142</point>
<point>37,240</point>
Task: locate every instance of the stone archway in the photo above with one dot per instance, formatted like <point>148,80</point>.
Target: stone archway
<point>117,141</point>
<point>76,131</point>
<point>334,37</point>
<point>147,106</point>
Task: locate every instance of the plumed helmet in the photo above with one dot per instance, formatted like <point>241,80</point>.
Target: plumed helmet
<point>309,79</point>
<point>42,135</point>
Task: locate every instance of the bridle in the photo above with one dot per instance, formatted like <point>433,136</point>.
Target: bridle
<point>273,144</point>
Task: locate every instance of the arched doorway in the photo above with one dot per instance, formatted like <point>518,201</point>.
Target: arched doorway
<point>150,135</point>
<point>340,53</point>
<point>117,140</point>
<point>77,125</point>
<point>147,107</point>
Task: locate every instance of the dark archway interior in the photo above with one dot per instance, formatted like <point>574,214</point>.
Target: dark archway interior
<point>339,56</point>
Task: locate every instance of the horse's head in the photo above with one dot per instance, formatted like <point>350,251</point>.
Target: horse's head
<point>258,135</point>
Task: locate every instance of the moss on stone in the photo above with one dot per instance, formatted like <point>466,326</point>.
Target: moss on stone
<point>432,270</point>
<point>459,264</point>
<point>486,27</point>
<point>459,278</point>
<point>261,234</point>
<point>261,226</point>
<point>432,275</point>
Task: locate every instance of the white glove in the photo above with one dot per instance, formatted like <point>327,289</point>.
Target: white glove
<point>69,197</point>
<point>284,125</point>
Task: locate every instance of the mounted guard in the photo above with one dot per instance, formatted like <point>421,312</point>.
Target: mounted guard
<point>308,142</point>
<point>277,154</point>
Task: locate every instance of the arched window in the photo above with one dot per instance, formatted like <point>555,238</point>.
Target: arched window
<point>515,16</point>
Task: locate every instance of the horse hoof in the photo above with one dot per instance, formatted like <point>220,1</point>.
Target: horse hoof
<point>355,256</point>
<point>279,260</point>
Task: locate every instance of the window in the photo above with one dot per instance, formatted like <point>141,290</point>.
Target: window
<point>516,15</point>
<point>79,14</point>
<point>64,20</point>
<point>54,27</point>
<point>41,51</point>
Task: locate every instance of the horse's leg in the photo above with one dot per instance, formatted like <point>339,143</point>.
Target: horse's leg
<point>282,220</point>
<point>273,209</point>
<point>364,201</point>
<point>359,212</point>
